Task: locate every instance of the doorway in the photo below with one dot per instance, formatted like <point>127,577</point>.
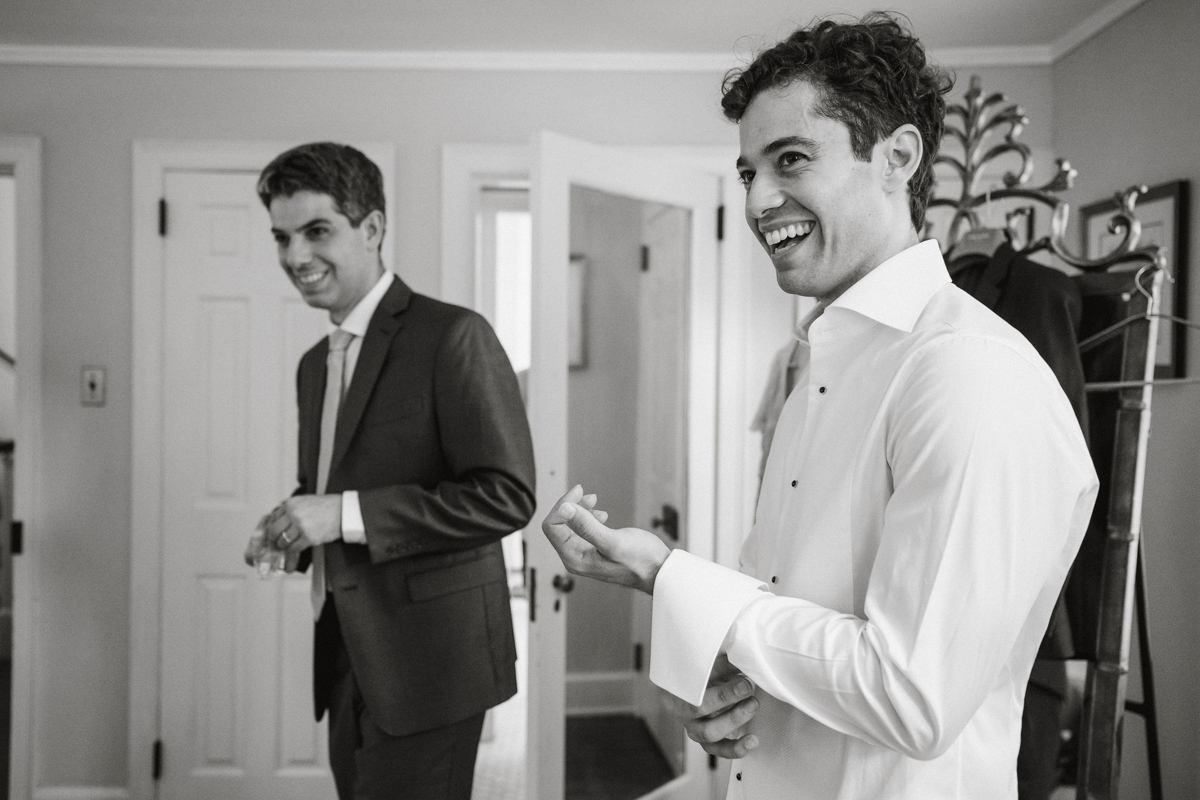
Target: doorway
<point>20,447</point>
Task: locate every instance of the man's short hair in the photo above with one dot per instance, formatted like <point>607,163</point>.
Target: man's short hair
<point>871,75</point>
<point>338,170</point>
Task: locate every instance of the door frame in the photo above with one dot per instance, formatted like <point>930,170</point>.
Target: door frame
<point>465,166</point>
<point>24,153</point>
<point>152,159</point>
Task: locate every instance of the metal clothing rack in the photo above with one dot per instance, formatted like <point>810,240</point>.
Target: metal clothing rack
<point>1120,291</point>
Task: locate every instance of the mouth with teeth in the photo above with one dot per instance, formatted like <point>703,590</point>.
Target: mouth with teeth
<point>311,280</point>
<point>788,236</point>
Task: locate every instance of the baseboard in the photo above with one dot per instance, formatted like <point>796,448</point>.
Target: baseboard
<point>81,793</point>
<point>593,693</point>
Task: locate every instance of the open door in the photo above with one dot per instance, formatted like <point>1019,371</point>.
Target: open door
<point>675,401</point>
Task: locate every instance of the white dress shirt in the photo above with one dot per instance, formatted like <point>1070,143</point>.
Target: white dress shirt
<point>924,497</point>
<point>356,322</point>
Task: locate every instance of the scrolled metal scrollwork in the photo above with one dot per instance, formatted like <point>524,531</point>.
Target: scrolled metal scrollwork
<point>982,116</point>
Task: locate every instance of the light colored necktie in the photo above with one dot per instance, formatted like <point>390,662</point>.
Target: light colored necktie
<point>335,368</point>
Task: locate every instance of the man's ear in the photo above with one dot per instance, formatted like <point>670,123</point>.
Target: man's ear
<point>902,153</point>
<point>373,228</point>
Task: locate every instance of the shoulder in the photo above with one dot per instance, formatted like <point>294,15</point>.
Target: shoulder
<point>961,348</point>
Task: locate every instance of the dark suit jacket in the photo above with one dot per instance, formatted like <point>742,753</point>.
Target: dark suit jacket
<point>432,433</point>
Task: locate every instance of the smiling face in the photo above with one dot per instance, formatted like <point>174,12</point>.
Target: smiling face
<point>825,218</point>
<point>331,262</point>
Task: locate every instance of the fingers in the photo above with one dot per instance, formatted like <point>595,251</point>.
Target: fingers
<point>252,548</point>
<point>587,526</point>
<point>732,748</point>
<point>720,696</point>
<point>726,725</point>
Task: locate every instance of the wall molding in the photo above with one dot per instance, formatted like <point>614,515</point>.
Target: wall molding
<point>592,693</point>
<point>81,793</point>
<point>511,61</point>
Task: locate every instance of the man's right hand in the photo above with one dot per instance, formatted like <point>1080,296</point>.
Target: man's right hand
<point>718,724</point>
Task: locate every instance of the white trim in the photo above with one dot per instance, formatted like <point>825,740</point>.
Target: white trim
<point>25,155</point>
<point>151,161</point>
<point>81,793</point>
<point>597,693</point>
<point>1033,55</point>
<point>1098,21</point>
<point>512,61</point>
<point>464,168</point>
<point>483,61</point>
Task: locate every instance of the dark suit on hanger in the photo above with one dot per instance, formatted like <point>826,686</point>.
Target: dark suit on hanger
<point>1045,305</point>
<point>432,433</point>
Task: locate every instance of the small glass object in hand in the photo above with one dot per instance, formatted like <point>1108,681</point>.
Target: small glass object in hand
<point>267,559</point>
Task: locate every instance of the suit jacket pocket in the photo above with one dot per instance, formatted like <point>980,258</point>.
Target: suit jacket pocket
<point>394,412</point>
<point>456,578</point>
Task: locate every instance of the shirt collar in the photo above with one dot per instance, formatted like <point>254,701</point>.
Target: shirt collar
<point>359,318</point>
<point>897,291</point>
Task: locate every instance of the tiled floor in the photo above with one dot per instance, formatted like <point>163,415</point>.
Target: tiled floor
<point>612,758</point>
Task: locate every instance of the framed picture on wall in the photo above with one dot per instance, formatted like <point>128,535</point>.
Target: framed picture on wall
<point>1163,212</point>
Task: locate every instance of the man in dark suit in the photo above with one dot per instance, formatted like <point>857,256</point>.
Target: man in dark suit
<point>415,459</point>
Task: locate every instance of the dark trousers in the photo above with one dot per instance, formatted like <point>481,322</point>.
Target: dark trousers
<point>370,764</point>
<point>1037,761</point>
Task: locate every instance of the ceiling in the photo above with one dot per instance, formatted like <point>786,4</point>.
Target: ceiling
<point>599,26</point>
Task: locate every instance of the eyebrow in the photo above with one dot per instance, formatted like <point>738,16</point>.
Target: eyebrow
<point>782,143</point>
<point>305,226</point>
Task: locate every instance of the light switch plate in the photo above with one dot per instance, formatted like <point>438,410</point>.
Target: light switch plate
<point>92,386</point>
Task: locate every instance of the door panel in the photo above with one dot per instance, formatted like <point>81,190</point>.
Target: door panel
<point>236,717</point>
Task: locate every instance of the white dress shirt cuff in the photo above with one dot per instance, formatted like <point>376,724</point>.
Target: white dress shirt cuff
<point>353,529</point>
<point>695,604</point>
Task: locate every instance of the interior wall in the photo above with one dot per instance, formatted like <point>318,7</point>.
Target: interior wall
<point>8,304</point>
<point>1126,112</point>
<point>602,435</point>
<point>88,119</point>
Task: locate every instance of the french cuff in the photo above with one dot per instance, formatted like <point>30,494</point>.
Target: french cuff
<point>695,605</point>
<point>354,530</point>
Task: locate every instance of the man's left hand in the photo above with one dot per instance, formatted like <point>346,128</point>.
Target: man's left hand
<point>629,556</point>
<point>303,521</point>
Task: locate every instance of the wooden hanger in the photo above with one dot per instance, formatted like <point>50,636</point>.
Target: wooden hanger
<point>979,242</point>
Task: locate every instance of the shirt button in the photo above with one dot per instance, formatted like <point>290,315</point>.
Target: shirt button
<point>774,579</point>
<point>793,483</point>
<point>821,390</point>
<point>739,776</point>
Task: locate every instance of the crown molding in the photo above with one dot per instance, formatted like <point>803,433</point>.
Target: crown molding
<point>478,61</point>
<point>1033,55</point>
<point>1101,19</point>
<point>512,61</point>
<point>203,58</point>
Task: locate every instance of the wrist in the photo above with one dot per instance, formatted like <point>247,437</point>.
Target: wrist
<point>650,574</point>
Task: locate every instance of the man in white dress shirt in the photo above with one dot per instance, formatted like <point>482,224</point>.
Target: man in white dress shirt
<point>926,490</point>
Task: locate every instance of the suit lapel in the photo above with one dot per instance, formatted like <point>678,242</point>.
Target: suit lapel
<point>312,392</point>
<point>385,323</point>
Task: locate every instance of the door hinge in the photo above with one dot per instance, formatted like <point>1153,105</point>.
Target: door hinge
<point>645,258</point>
<point>158,759</point>
<point>720,223</point>
<point>532,594</point>
<point>162,217</point>
<point>16,540</point>
<point>637,657</point>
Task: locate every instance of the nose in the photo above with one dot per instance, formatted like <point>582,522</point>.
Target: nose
<point>296,253</point>
<point>764,196</point>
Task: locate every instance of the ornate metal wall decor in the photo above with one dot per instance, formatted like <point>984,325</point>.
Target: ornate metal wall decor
<point>977,120</point>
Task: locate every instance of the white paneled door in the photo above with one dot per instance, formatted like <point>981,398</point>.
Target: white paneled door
<point>236,691</point>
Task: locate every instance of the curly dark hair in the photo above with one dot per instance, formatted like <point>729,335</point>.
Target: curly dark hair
<point>871,75</point>
<point>338,170</point>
